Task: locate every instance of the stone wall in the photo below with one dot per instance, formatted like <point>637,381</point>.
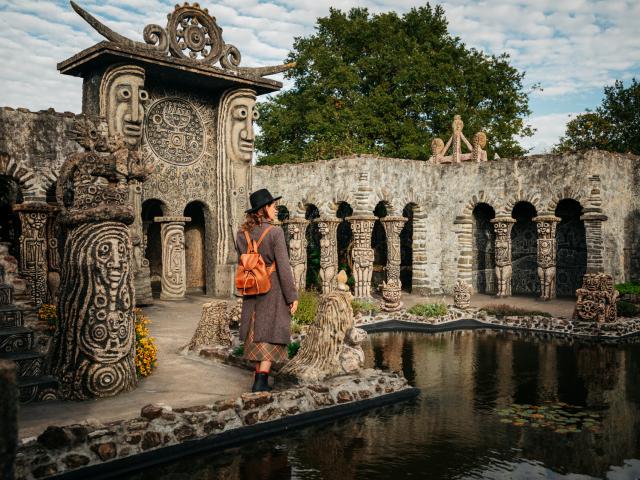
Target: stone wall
<point>8,418</point>
<point>445,196</point>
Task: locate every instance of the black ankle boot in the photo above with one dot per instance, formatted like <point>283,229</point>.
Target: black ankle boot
<point>261,382</point>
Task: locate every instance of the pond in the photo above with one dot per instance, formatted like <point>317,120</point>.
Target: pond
<point>494,404</point>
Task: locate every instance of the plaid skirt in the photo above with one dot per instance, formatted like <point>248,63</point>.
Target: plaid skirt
<point>263,351</point>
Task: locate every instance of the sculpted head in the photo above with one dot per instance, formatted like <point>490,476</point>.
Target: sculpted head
<point>111,259</point>
<point>480,139</point>
<point>122,99</point>
<point>457,124</point>
<point>238,110</point>
<point>437,147</point>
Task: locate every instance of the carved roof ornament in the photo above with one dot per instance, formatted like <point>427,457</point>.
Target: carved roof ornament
<point>191,34</point>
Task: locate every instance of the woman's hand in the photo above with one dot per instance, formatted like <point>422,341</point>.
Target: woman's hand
<point>294,307</point>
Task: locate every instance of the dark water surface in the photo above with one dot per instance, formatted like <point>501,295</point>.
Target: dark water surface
<point>494,405</point>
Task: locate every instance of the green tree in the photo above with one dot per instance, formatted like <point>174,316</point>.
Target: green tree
<point>613,126</point>
<point>387,85</point>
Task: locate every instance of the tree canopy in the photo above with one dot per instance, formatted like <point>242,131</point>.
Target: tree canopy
<point>387,84</point>
<point>613,126</point>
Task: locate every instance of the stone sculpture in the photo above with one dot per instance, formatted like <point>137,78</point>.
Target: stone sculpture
<point>362,254</point>
<point>53,256</point>
<point>296,228</point>
<point>332,344</point>
<point>328,228</point>
<point>546,228</point>
<point>94,349</point>
<point>174,265</point>
<point>462,295</point>
<point>33,249</point>
<point>502,227</point>
<point>391,295</point>
<point>476,151</point>
<point>393,227</point>
<point>213,327</point>
<point>597,299</point>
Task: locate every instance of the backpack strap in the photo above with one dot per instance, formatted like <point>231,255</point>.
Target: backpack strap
<point>250,243</point>
<point>266,230</point>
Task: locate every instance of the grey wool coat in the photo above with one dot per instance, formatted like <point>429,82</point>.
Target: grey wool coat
<point>273,316</point>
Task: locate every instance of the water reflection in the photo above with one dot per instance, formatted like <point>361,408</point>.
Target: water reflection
<point>454,430</point>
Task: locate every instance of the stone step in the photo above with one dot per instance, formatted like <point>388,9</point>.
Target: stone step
<point>29,364</point>
<point>11,316</point>
<point>36,389</point>
<point>6,294</point>
<point>16,339</point>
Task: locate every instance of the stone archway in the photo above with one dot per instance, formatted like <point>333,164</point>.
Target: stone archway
<point>379,245</point>
<point>345,239</point>
<point>571,240</point>
<point>195,233</point>
<point>483,275</point>
<point>10,195</point>
<point>313,281</point>
<point>153,252</point>
<point>524,250</point>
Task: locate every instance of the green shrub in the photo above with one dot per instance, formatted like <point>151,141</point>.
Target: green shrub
<point>632,288</point>
<point>364,306</point>
<point>292,349</point>
<point>307,308</point>
<point>626,309</point>
<point>238,351</point>
<point>295,326</point>
<point>428,310</point>
<point>504,310</point>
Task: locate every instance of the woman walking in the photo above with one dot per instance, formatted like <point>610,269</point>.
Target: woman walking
<point>265,323</point>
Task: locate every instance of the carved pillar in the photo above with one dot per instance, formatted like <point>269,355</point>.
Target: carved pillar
<point>392,227</point>
<point>464,231</point>
<point>502,227</point>
<point>53,256</point>
<point>593,219</point>
<point>547,250</point>
<point>328,228</point>
<point>174,271</point>
<point>33,248</point>
<point>362,254</point>
<point>140,265</point>
<point>296,231</point>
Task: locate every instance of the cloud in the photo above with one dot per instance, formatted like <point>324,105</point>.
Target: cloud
<point>569,47</point>
<point>549,128</point>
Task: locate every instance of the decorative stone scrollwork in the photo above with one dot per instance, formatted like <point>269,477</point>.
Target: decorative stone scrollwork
<point>362,254</point>
<point>174,270</point>
<point>296,229</point>
<point>502,227</point>
<point>328,228</point>
<point>462,295</point>
<point>33,249</point>
<point>546,228</point>
<point>597,299</point>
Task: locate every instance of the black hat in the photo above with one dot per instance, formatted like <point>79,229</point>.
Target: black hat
<point>259,199</point>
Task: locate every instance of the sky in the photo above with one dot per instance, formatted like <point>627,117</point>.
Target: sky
<point>570,48</point>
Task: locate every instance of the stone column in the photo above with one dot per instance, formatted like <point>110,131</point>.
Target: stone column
<point>421,283</point>
<point>502,227</point>
<point>174,273</point>
<point>392,227</point>
<point>593,219</point>
<point>328,228</point>
<point>362,254</point>
<point>140,265</point>
<point>547,250</point>
<point>53,256</point>
<point>464,231</point>
<point>8,418</point>
<point>296,229</point>
<point>33,248</point>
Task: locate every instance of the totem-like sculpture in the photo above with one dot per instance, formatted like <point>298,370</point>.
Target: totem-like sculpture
<point>502,227</point>
<point>296,229</point>
<point>33,249</point>
<point>362,254</point>
<point>174,263</point>
<point>235,151</point>
<point>478,154</point>
<point>94,354</point>
<point>392,287</point>
<point>332,344</point>
<point>437,150</point>
<point>328,228</point>
<point>462,295</point>
<point>476,151</point>
<point>597,299</point>
<point>546,227</point>
<point>456,138</point>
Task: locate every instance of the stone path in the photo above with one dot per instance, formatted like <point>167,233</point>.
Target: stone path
<point>177,381</point>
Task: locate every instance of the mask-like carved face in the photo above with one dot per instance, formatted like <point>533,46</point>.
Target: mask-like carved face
<point>239,131</point>
<point>111,260</point>
<point>437,146</point>
<point>122,99</point>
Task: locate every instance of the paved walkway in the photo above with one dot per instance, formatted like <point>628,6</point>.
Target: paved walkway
<point>177,381</point>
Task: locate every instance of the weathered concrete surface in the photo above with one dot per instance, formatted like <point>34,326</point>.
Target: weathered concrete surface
<point>8,411</point>
<point>177,381</point>
<point>446,194</point>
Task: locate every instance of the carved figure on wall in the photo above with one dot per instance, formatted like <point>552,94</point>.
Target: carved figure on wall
<point>33,249</point>
<point>502,227</point>
<point>597,299</point>
<point>296,229</point>
<point>362,254</point>
<point>174,265</point>
<point>462,295</point>
<point>328,229</point>
<point>476,151</point>
<point>331,346</point>
<point>546,228</point>
<point>479,143</point>
<point>437,150</point>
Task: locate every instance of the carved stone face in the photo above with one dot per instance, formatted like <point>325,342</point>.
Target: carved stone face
<point>544,229</point>
<point>457,124</point>
<point>122,97</point>
<point>437,146</point>
<point>480,139</point>
<point>239,134</point>
<point>111,260</point>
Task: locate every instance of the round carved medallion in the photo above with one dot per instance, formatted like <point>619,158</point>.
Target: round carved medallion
<point>175,131</point>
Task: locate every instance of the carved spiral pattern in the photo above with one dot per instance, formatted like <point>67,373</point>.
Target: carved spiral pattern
<point>231,57</point>
<point>157,36</point>
<point>193,30</point>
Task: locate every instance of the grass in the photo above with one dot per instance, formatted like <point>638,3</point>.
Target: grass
<point>504,310</point>
<point>428,310</point>
<point>307,308</point>
<point>292,349</point>
<point>364,306</point>
<point>632,288</point>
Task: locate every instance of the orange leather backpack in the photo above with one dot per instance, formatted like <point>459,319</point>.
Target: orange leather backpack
<point>253,277</point>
